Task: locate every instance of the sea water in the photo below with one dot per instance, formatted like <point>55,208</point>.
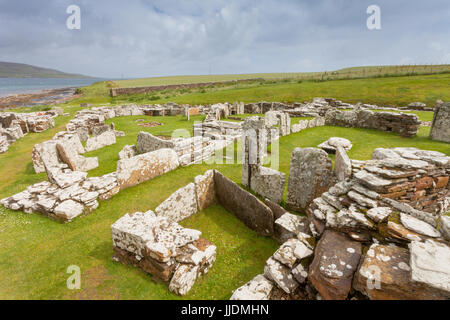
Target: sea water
<point>10,86</point>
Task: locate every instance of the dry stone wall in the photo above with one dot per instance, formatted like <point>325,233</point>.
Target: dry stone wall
<point>404,124</point>
<point>14,126</point>
<point>358,243</point>
<point>163,248</point>
<point>146,166</point>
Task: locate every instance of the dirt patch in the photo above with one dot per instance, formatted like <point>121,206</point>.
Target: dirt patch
<point>150,124</point>
<point>164,137</point>
<point>44,97</point>
<point>96,285</point>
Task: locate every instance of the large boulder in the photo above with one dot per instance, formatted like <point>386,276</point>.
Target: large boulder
<point>440,127</point>
<point>135,170</point>
<point>336,258</point>
<point>310,175</point>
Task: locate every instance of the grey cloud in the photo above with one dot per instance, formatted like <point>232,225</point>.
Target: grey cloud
<point>167,37</point>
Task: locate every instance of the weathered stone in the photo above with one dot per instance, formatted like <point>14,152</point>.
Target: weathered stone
<point>290,251</point>
<point>44,155</point>
<point>430,265</point>
<point>385,274</point>
<point>146,142</point>
<point>362,200</point>
<point>300,274</point>
<point>105,139</point>
<point>249,209</point>
<point>183,279</point>
<point>281,275</point>
<point>379,214</point>
<point>138,169</point>
<point>65,179</point>
<point>128,152</point>
<point>309,176</point>
<point>180,205</point>
<point>373,182</point>
<point>68,210</point>
<point>289,225</point>
<point>333,143</point>
<point>268,183</point>
<point>204,187</point>
<point>418,226</point>
<point>399,232</point>
<point>445,227</point>
<point>440,127</point>
<point>75,161</point>
<point>335,261</point>
<point>342,164</point>
<point>277,210</point>
<point>259,288</point>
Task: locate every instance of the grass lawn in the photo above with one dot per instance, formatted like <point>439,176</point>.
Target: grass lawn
<point>388,91</point>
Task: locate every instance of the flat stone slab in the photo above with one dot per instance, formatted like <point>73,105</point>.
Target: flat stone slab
<point>135,170</point>
<point>249,209</point>
<point>430,264</point>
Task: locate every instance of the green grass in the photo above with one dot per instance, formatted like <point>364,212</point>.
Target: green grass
<point>36,251</point>
<point>387,91</point>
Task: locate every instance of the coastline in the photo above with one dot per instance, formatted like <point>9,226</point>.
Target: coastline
<point>38,97</point>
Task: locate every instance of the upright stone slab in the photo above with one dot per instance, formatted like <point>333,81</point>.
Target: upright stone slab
<point>204,187</point>
<point>440,127</point>
<point>310,175</point>
<point>180,205</point>
<point>135,170</point>
<point>342,164</point>
<point>253,147</point>
<point>268,183</point>
<point>105,139</point>
<point>249,209</point>
<point>146,142</point>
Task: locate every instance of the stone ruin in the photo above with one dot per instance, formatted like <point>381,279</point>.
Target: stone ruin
<point>189,150</point>
<point>274,118</point>
<point>380,233</point>
<point>440,127</point>
<point>264,181</point>
<point>156,243</point>
<point>404,124</point>
<point>69,193</point>
<point>14,126</point>
<point>162,248</point>
<point>64,150</point>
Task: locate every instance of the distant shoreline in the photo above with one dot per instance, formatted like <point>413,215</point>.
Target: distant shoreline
<point>39,97</point>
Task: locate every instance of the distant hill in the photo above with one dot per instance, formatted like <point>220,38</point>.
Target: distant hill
<point>20,70</point>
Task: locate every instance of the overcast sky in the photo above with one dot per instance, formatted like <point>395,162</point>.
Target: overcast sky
<point>140,38</point>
